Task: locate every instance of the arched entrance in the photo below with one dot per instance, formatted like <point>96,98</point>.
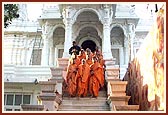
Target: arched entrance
<point>117,42</point>
<point>89,44</point>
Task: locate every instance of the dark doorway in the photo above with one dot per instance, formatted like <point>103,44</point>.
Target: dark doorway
<point>89,44</point>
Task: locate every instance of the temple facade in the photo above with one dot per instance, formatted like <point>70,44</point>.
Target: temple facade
<point>30,48</point>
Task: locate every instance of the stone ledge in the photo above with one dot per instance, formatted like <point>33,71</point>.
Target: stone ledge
<point>118,100</point>
<point>47,83</point>
<point>118,82</point>
<point>27,107</point>
<point>127,107</point>
<point>47,97</point>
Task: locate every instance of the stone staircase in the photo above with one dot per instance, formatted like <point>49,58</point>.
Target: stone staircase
<point>112,98</point>
<point>85,103</point>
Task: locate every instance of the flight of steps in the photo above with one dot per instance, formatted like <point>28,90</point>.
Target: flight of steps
<point>85,103</point>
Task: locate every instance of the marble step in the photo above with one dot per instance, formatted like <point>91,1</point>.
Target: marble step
<point>85,101</point>
<point>101,94</point>
<point>127,107</point>
<point>84,105</point>
<point>78,108</point>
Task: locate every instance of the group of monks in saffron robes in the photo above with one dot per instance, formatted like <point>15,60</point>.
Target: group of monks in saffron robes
<point>85,73</point>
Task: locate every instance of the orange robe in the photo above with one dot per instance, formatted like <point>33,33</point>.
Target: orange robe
<point>89,59</point>
<point>97,53</point>
<point>71,79</point>
<point>82,56</point>
<point>83,75</point>
<point>102,63</point>
<point>95,79</point>
<point>78,62</point>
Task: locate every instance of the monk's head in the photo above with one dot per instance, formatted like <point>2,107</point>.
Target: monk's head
<point>98,54</point>
<point>82,51</point>
<point>95,59</point>
<point>88,50</point>
<point>83,61</point>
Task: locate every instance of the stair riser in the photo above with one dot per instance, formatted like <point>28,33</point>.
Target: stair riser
<point>127,108</point>
<point>84,110</point>
<point>84,104</point>
<point>119,102</point>
<point>101,94</point>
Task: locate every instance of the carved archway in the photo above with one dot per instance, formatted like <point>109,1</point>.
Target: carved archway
<point>89,44</point>
<point>89,38</point>
<point>83,10</point>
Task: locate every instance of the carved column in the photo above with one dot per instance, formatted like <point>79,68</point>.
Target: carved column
<point>106,45</point>
<point>68,33</point>
<point>45,50</point>
<point>51,58</point>
<point>131,29</point>
<point>126,50</point>
<point>121,56</point>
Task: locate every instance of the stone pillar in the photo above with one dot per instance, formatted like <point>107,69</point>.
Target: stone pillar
<point>126,50</point>
<point>68,33</point>
<point>106,45</point>
<point>121,56</point>
<point>51,58</point>
<point>131,29</point>
<point>45,51</point>
<point>56,57</point>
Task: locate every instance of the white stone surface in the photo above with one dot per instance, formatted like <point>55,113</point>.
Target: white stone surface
<point>26,74</point>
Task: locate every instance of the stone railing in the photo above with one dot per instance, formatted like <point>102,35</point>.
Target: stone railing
<point>117,88</point>
<point>57,76</point>
<point>48,95</point>
<point>116,91</point>
<point>117,98</point>
<point>63,62</point>
<point>112,73</point>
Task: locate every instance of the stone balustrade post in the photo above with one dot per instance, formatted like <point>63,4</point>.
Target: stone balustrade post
<point>48,95</point>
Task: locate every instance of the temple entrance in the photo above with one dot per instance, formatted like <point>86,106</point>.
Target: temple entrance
<point>89,44</point>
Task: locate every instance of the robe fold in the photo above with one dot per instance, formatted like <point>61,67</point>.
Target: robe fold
<point>71,79</point>
<point>82,79</point>
<point>95,79</point>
